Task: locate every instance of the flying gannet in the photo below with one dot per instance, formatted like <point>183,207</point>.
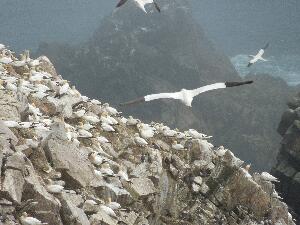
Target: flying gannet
<point>258,56</point>
<point>140,3</point>
<point>186,96</point>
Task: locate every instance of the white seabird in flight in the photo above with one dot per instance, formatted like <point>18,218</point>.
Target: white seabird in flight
<point>258,56</point>
<point>186,96</point>
<point>141,4</point>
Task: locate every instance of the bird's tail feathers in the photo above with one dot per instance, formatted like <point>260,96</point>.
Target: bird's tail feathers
<point>233,84</point>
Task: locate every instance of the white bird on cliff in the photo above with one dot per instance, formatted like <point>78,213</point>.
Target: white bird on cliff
<point>196,135</point>
<point>108,210</point>
<point>177,146</point>
<point>110,110</point>
<point>186,96</point>
<point>102,140</point>
<point>107,127</point>
<point>139,141</point>
<point>95,158</point>
<point>91,119</point>
<point>258,56</point>
<point>53,188</point>
<point>28,220</point>
<point>141,4</point>
<point>268,177</point>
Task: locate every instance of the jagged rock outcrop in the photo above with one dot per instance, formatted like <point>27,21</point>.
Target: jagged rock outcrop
<point>91,166</point>
<point>287,168</point>
<point>138,55</point>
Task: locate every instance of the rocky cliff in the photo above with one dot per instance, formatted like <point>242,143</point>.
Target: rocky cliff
<point>287,168</point>
<point>68,159</point>
<point>132,55</point>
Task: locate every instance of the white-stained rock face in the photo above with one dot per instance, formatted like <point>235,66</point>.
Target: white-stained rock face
<point>133,184</point>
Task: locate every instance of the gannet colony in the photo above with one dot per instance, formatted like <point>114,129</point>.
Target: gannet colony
<point>69,159</point>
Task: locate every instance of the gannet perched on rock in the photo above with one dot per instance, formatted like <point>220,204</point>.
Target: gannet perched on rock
<point>139,141</point>
<point>177,146</point>
<point>27,220</point>
<point>196,135</point>
<point>95,158</point>
<point>53,188</point>
<point>268,177</point>
<point>141,4</point>
<point>258,56</point>
<point>186,96</point>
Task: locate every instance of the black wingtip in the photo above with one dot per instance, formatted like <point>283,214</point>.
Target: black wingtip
<point>156,6</point>
<point>266,46</point>
<point>249,64</point>
<point>121,2</point>
<point>233,84</point>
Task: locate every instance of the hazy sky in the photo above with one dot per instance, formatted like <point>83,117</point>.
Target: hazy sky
<point>234,25</point>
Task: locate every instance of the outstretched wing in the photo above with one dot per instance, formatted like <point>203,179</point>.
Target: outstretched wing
<point>147,98</point>
<point>121,2</point>
<point>206,88</point>
<point>174,95</point>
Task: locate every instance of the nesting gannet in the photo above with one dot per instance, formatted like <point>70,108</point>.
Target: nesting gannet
<point>106,170</point>
<point>268,177</point>
<point>80,112</point>
<point>6,60</point>
<point>186,96</point>
<point>38,76</point>
<point>108,119</point>
<point>95,158</point>
<point>131,121</point>
<point>64,88</point>
<point>107,127</point>
<point>177,146</point>
<point>141,4</point>
<point>196,135</point>
<point>95,101</point>
<point>102,140</point>
<point>167,132</point>
<point>108,210</point>
<point>110,110</point>
<point>258,56</point>
<point>123,175</point>
<point>221,151</point>
<point>98,174</point>
<point>84,133</point>
<point>27,220</point>
<point>139,141</point>
<point>146,131</point>
<point>53,188</point>
<point>91,119</point>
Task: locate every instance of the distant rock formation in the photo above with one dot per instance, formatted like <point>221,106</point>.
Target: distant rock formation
<point>287,168</point>
<point>199,184</point>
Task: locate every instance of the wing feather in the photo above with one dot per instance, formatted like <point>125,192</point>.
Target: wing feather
<point>206,88</point>
<point>174,95</point>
